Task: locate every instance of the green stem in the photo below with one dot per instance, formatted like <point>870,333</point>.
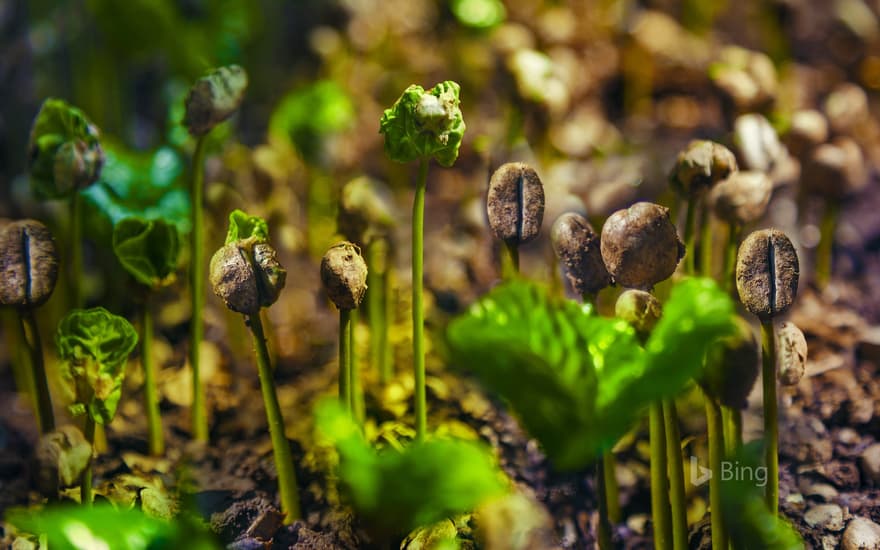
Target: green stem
<point>22,372</point>
<point>675,470</point>
<point>512,266</point>
<point>604,530</point>
<point>75,275</point>
<point>280,446</point>
<point>826,243</point>
<point>715,430</point>
<point>376,308</point>
<point>197,289</point>
<point>690,237</point>
<point>706,241</point>
<point>85,487</point>
<point>771,429</point>
<point>151,396</point>
<point>418,314</point>
<point>732,420</point>
<point>729,270</point>
<point>357,393</point>
<point>344,358</point>
<point>612,492</point>
<point>44,399</point>
<point>659,481</point>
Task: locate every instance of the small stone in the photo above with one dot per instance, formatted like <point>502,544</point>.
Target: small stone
<point>861,534</point>
<point>265,525</point>
<point>869,461</point>
<point>825,516</point>
<point>822,491</point>
<point>791,354</point>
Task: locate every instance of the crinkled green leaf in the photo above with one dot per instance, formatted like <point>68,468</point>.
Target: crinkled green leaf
<point>64,153</point>
<point>742,503</point>
<point>103,526</point>
<point>243,227</point>
<point>424,124</point>
<point>94,345</point>
<point>578,381</point>
<point>395,491</point>
<point>147,249</point>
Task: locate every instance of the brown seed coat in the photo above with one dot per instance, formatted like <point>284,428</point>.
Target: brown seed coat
<point>28,264</point>
<point>344,275</point>
<point>515,203</point>
<point>767,273</point>
<point>577,247</point>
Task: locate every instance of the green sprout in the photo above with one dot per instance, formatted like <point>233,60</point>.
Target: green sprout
<point>246,275</point>
<point>395,491</point>
<point>148,250</point>
<point>64,157</point>
<point>421,125</point>
<point>94,345</point>
<point>213,98</point>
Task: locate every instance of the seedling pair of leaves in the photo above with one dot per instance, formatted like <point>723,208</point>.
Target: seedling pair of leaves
<point>576,380</point>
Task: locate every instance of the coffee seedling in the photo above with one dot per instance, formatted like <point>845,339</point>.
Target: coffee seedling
<point>28,273</point>
<point>767,274</point>
<point>515,205</point>
<point>421,125</point>
<point>246,275</point>
<point>213,98</point>
<point>576,246</point>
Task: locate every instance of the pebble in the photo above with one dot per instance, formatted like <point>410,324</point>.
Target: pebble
<point>870,463</point>
<point>825,516</point>
<point>861,534</point>
<point>822,491</point>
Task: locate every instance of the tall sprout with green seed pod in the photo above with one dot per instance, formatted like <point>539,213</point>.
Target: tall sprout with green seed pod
<point>94,345</point>
<point>640,248</point>
<point>344,275</point>
<point>246,275</point>
<point>421,125</point>
<point>65,157</point>
<point>28,273</point>
<point>767,273</point>
<point>515,207</point>
<point>214,98</point>
<point>148,250</point>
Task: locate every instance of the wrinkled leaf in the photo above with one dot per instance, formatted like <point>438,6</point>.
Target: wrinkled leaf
<point>102,526</point>
<point>578,381</point>
<point>742,503</point>
<point>147,249</point>
<point>94,345</point>
<point>64,153</point>
<point>423,124</point>
<point>243,227</point>
<point>398,490</point>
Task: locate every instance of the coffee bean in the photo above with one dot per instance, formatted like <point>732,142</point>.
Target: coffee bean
<point>701,165</point>
<point>640,309</point>
<point>767,273</point>
<point>233,279</point>
<point>515,203</point>
<point>28,264</point>
<point>272,275</point>
<point>742,198</point>
<point>344,275</point>
<point>732,366</point>
<point>577,247</point>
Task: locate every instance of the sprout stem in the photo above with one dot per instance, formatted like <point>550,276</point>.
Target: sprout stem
<point>41,383</point>
<point>715,429</point>
<point>513,260</point>
<point>344,358</point>
<point>659,481</point>
<point>826,244</point>
<point>197,289</point>
<point>706,244</point>
<point>76,264</point>
<point>377,307</point>
<point>675,468</point>
<point>357,393</point>
<point>612,493</point>
<point>729,281</point>
<point>418,260</point>
<point>732,419</point>
<point>85,487</point>
<point>690,237</point>
<point>154,420</point>
<point>771,430</point>
<point>280,446</point>
<point>604,528</point>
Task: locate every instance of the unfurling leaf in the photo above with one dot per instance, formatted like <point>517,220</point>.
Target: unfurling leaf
<point>94,345</point>
<point>396,491</point>
<point>243,227</point>
<point>64,154</point>
<point>578,381</point>
<point>423,124</point>
<point>147,249</point>
<point>214,98</point>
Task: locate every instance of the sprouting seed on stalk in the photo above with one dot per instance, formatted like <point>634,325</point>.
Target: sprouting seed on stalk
<point>640,246</point>
<point>792,354</point>
<point>577,247</point>
<point>732,366</point>
<point>700,166</point>
<point>515,203</point>
<point>214,98</point>
<point>244,285</point>
<point>28,264</point>
<point>767,273</point>
<point>742,198</point>
<point>640,309</point>
<point>344,275</point>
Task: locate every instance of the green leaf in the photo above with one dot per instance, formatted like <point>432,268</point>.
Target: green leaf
<point>742,503</point>
<point>147,249</point>
<point>479,14</point>
<point>423,124</point>
<point>243,227</point>
<point>64,153</point>
<point>103,526</point>
<point>396,491</point>
<point>578,381</point>
<point>94,345</point>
